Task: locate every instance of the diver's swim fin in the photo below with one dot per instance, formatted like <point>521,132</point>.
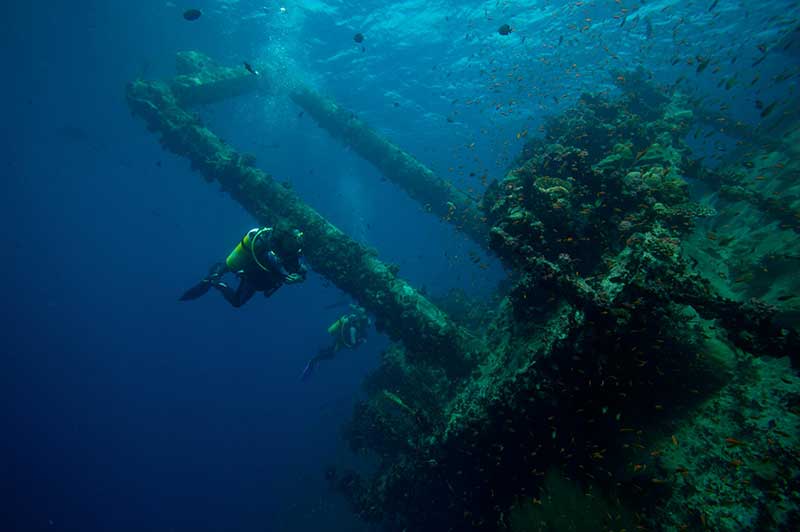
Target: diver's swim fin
<point>197,290</point>
<point>308,370</point>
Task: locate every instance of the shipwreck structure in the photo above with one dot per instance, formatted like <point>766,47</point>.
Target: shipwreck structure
<point>585,400</point>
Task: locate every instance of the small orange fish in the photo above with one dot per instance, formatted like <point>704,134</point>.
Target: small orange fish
<point>674,440</point>
<point>733,442</point>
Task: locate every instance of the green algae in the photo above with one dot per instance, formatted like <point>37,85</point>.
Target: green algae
<point>735,463</point>
<point>620,157</point>
<point>604,294</point>
<point>568,506</point>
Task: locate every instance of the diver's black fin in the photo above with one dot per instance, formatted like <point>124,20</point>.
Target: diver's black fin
<point>216,270</point>
<point>196,291</point>
<point>309,369</point>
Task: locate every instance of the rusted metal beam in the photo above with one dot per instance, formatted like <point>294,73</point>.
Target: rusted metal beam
<point>203,81</point>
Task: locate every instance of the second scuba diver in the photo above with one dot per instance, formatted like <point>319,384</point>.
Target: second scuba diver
<point>349,331</point>
<point>264,260</point>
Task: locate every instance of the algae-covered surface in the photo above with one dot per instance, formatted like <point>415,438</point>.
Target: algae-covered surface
<point>624,385</point>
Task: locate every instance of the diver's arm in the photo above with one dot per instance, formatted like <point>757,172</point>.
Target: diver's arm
<point>303,271</point>
<point>353,336</point>
<point>275,264</point>
<point>300,275</point>
<point>293,278</point>
<point>363,329</point>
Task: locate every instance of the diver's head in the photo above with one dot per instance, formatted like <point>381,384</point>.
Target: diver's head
<point>287,241</point>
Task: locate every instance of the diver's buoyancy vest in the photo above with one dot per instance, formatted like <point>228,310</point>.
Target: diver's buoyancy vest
<point>245,255</point>
<point>336,327</point>
<point>341,331</point>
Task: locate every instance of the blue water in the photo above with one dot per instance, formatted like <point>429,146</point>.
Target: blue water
<point>124,409</point>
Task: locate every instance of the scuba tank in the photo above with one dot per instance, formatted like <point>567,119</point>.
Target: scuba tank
<point>340,329</point>
<point>245,255</point>
<point>335,327</point>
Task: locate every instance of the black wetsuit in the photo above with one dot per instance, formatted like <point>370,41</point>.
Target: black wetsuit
<point>250,283</point>
<point>352,333</point>
<point>251,280</point>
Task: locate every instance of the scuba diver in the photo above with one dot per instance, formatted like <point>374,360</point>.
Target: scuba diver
<point>265,259</point>
<point>349,331</point>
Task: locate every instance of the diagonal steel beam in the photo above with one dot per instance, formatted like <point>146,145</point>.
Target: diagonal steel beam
<point>438,195</point>
<point>202,81</point>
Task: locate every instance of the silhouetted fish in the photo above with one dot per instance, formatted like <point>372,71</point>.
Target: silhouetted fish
<point>250,68</point>
<point>192,14</point>
<point>768,109</point>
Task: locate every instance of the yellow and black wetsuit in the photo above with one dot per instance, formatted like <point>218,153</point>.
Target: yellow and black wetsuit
<point>349,331</point>
<point>247,260</point>
<point>255,263</point>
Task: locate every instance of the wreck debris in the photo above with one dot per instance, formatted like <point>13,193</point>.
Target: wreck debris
<point>604,336</point>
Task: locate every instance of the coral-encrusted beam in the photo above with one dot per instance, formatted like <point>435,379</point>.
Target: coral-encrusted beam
<point>200,80</point>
